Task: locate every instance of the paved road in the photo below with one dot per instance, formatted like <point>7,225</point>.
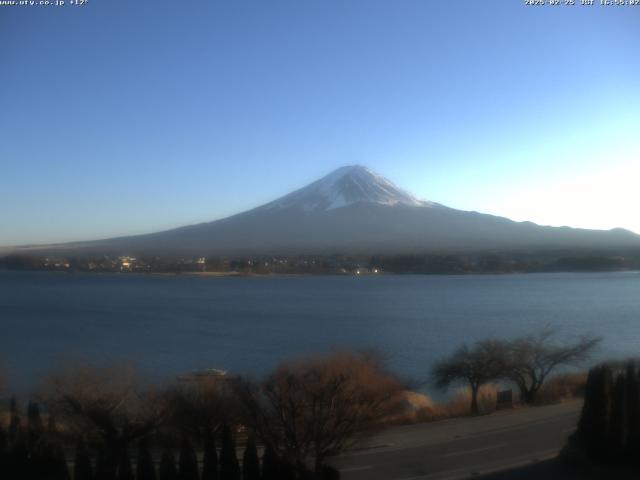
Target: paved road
<point>463,448</point>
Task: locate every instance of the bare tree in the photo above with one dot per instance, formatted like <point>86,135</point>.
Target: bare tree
<point>486,361</point>
<point>534,357</point>
<point>199,408</point>
<point>319,407</point>
<point>105,405</point>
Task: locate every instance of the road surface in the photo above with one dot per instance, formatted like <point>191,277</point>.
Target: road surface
<point>465,447</point>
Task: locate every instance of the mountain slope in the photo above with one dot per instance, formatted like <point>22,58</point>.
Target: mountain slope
<point>353,210</point>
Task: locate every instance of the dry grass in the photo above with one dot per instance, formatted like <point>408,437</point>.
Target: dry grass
<point>562,387</point>
<point>420,408</point>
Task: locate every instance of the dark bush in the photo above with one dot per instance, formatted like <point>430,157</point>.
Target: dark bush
<point>125,472</point>
<point>229,466</point>
<point>168,466</point>
<point>14,421</point>
<point>609,427</point>
<point>269,464</point>
<point>210,459</point>
<point>35,427</point>
<point>250,461</point>
<point>145,470</point>
<point>82,469</point>
<point>188,462</point>
<point>106,464</point>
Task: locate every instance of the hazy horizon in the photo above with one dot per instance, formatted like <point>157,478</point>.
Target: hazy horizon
<point>178,226</point>
<point>111,129</point>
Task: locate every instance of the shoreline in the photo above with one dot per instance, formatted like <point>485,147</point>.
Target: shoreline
<point>223,274</point>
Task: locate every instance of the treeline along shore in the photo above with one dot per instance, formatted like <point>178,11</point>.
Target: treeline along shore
<point>104,423</point>
<point>338,264</point>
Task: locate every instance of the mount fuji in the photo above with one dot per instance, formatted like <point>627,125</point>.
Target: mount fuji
<point>354,211</point>
<point>346,186</point>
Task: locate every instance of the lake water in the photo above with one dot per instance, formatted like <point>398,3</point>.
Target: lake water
<point>169,325</point>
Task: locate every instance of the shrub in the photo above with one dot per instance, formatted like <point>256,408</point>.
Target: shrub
<point>188,462</point>
<point>269,464</point>
<point>562,387</point>
<point>125,472</point>
<point>168,466</point>
<point>609,429</point>
<point>320,406</point>
<point>250,461</point>
<point>145,469</point>
<point>210,459</point>
<point>229,466</point>
<point>82,469</point>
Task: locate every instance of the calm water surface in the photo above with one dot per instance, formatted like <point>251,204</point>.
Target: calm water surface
<point>174,324</point>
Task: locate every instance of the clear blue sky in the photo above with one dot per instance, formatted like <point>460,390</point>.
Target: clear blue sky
<point>129,116</point>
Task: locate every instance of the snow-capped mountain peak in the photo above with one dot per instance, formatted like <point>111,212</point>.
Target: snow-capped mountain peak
<point>351,211</point>
<point>346,186</point>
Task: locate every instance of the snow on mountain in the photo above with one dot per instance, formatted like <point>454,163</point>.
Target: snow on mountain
<point>352,211</point>
<point>346,186</point>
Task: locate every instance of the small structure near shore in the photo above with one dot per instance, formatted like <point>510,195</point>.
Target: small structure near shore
<point>207,375</point>
<point>504,399</point>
